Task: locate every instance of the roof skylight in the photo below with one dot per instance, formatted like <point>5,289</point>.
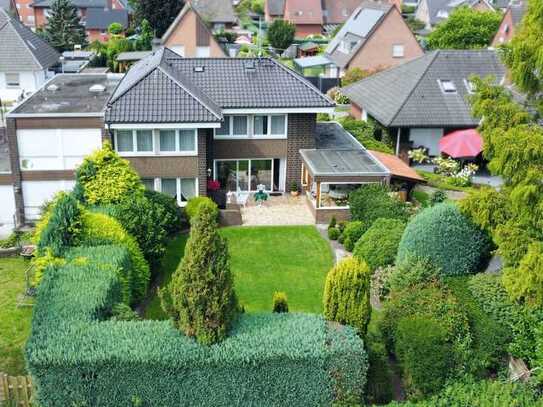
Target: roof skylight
<point>447,86</point>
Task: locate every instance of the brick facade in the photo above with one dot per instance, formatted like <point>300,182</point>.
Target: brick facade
<point>301,135</point>
<point>202,161</point>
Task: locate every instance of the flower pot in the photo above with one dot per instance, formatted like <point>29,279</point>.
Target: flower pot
<point>294,193</point>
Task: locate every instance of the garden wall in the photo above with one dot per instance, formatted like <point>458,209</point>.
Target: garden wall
<point>78,356</point>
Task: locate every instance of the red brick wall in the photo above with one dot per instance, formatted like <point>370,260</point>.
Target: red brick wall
<point>506,30</point>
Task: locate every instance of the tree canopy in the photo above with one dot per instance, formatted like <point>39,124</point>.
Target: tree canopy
<point>159,13</point>
<point>64,28</point>
<point>281,34</point>
<point>465,28</point>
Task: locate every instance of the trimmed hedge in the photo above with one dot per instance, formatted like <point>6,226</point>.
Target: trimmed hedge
<point>78,357</point>
<point>353,231</point>
<point>447,238</point>
<point>379,245</point>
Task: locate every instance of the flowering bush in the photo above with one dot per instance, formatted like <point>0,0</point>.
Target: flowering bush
<point>463,177</point>
<point>446,166</point>
<point>213,185</point>
<point>418,155</point>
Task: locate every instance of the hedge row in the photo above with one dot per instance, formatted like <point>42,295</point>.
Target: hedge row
<point>79,357</point>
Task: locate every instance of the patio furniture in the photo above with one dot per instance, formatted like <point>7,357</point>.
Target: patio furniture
<point>260,195</point>
<point>462,144</point>
<point>242,198</point>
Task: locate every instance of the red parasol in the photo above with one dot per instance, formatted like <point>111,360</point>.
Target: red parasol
<point>462,143</point>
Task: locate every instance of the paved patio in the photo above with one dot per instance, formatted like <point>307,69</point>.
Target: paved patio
<point>277,211</point>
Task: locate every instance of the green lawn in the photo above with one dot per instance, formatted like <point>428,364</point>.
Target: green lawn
<point>174,253</point>
<point>14,322</point>
<point>293,259</point>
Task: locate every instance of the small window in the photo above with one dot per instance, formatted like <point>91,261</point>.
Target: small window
<point>144,141</point>
<point>125,142</point>
<point>397,51</point>
<point>224,130</point>
<point>187,140</point>
<point>278,125</point>
<point>148,183</point>
<point>239,125</point>
<point>261,125</point>
<point>12,80</point>
<point>203,52</point>
<point>447,86</point>
<point>188,189</point>
<point>167,141</point>
<point>169,186</point>
<point>506,28</point>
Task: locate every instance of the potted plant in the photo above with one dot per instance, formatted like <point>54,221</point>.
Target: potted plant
<point>294,189</point>
<point>216,194</point>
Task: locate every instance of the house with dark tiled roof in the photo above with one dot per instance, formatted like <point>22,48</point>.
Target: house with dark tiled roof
<point>306,15</point>
<point>248,123</point>
<point>98,20</point>
<point>426,98</point>
<point>432,12</point>
<point>25,59</point>
<point>511,19</point>
<point>190,34</point>
<point>273,9</point>
<point>374,37</point>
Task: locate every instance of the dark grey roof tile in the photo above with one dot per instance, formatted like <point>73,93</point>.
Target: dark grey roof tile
<point>101,19</point>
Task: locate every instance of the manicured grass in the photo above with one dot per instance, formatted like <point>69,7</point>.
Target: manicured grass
<point>421,197</point>
<point>173,256</point>
<point>14,321</point>
<point>293,259</point>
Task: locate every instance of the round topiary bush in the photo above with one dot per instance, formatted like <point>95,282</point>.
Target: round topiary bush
<point>353,231</point>
<point>333,233</point>
<point>447,238</point>
<point>194,204</point>
<point>379,245</point>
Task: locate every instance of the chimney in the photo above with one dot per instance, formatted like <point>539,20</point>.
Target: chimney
<point>156,44</point>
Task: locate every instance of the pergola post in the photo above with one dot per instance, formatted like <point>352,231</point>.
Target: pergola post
<point>318,204</point>
<point>398,141</point>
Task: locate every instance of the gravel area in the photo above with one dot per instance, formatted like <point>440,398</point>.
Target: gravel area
<point>277,211</point>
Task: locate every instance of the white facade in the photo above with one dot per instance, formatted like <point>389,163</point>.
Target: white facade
<point>36,193</point>
<point>28,81</point>
<point>428,138</point>
<point>7,210</point>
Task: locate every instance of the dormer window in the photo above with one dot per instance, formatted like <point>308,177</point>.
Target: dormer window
<point>442,14</point>
<point>470,86</point>
<point>447,86</point>
<point>506,28</point>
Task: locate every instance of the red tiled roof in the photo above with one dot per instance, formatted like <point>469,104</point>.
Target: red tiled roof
<point>304,11</point>
<point>396,166</point>
<point>338,11</point>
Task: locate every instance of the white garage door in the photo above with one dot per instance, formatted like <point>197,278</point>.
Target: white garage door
<point>56,149</point>
<point>428,138</point>
<point>36,193</point>
<point>7,210</point>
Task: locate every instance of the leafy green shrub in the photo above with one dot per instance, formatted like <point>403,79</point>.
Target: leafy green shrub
<point>413,272</point>
<point>432,302</point>
<point>379,384</point>
<point>41,262</point>
<point>447,238</point>
<point>485,393</point>
<point>63,225</point>
<point>105,178</point>
<point>379,245</point>
<point>424,354</point>
<point>438,197</point>
<point>172,216</point>
<point>333,223</point>
<point>194,204</point>
<point>372,201</point>
<point>513,239</point>
<point>280,302</point>
<point>364,132</point>
<point>347,294</point>
<point>333,233</point>
<point>122,312</point>
<point>100,229</point>
<point>203,301</point>
<point>486,207</point>
<point>114,363</point>
<point>353,231</point>
<point>525,283</point>
<point>380,282</point>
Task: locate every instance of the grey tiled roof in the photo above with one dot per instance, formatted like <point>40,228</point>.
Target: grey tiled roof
<point>517,12</point>
<point>21,49</point>
<point>435,6</point>
<point>215,11</point>
<point>76,3</point>
<point>357,29</point>
<point>101,19</point>
<point>165,87</point>
<point>276,7</point>
<point>410,94</point>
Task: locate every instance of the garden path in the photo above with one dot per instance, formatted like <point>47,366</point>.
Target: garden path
<point>277,211</point>
<point>338,249</point>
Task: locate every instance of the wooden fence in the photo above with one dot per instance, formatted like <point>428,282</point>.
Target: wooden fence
<point>15,390</point>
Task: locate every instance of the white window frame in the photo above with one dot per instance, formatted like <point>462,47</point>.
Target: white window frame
<point>177,151</point>
<point>251,126</point>
<point>156,152</point>
<point>158,186</point>
<point>442,82</point>
<point>396,54</point>
<point>18,85</point>
<point>237,160</point>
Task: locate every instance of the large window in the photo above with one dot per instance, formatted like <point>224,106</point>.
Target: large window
<point>244,175</point>
<point>154,142</point>
<point>273,126</point>
<point>182,189</point>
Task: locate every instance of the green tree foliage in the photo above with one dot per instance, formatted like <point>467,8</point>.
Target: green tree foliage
<point>466,28</point>
<point>145,38</point>
<point>487,208</point>
<point>379,245</point>
<point>367,133</point>
<point>105,178</point>
<point>353,231</point>
<point>64,28</point>
<point>159,13</point>
<point>194,204</point>
<point>172,218</point>
<point>413,272</point>
<point>523,54</point>
<point>443,235</point>
<point>115,28</point>
<point>63,225</point>
<point>347,294</point>
<point>203,302</point>
<point>281,34</point>
<point>280,302</point>
<point>373,201</point>
<point>425,356</point>
<point>353,75</point>
<point>525,283</point>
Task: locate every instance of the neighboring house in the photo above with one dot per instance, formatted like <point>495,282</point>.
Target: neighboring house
<point>189,36</point>
<point>432,12</point>
<point>511,19</point>
<point>26,12</point>
<point>100,12</point>
<point>426,98</point>
<point>10,6</point>
<point>98,20</point>
<point>306,15</point>
<point>25,59</point>
<point>217,14</point>
<point>273,9</point>
<point>184,121</point>
<point>374,37</point>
